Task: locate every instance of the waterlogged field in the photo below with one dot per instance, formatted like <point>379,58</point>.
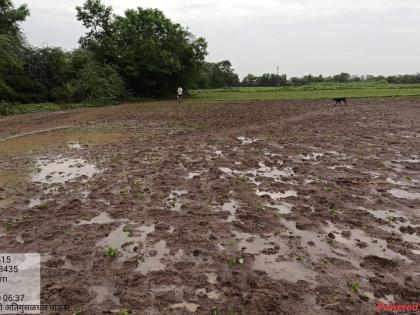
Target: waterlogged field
<point>279,207</point>
<point>312,91</point>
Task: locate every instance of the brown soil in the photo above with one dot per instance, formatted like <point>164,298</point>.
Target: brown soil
<point>237,208</point>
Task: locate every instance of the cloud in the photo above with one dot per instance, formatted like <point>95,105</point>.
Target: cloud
<point>302,36</point>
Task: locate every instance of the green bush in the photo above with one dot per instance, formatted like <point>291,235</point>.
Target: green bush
<point>100,85</point>
<point>5,108</point>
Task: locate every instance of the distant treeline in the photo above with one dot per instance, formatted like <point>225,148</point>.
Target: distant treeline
<point>267,79</point>
<point>221,74</point>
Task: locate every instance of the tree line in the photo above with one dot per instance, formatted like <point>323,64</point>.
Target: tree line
<point>141,53</point>
<point>138,54</point>
<point>272,80</point>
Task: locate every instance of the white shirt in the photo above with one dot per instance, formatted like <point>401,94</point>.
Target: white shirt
<point>180,90</point>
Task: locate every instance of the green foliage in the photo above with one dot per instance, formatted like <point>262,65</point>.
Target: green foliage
<point>312,91</point>
<point>100,85</point>
<point>152,54</point>
<point>10,17</point>
<point>111,252</point>
<point>5,108</point>
<point>217,75</point>
<point>355,286</point>
<point>123,312</point>
<point>16,221</point>
<point>234,261</point>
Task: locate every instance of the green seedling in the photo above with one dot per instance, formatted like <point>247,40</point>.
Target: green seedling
<point>328,188</point>
<point>391,219</point>
<point>260,226</point>
<point>111,252</point>
<point>215,310</point>
<point>123,312</point>
<point>234,261</point>
<point>16,221</point>
<point>354,286</point>
<point>333,211</point>
<point>76,312</point>
<point>124,192</point>
<point>212,242</point>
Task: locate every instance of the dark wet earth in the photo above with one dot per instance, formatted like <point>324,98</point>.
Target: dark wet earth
<point>236,208</point>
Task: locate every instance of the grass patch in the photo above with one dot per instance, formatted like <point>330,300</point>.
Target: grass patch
<point>111,252</point>
<point>310,91</point>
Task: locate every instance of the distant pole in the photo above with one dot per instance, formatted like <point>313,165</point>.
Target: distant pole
<point>278,77</point>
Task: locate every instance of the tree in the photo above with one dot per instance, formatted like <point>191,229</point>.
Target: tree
<point>10,17</point>
<point>101,84</point>
<point>153,54</point>
<point>250,80</point>
<point>11,44</point>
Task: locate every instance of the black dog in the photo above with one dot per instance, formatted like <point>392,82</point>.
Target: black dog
<point>338,100</point>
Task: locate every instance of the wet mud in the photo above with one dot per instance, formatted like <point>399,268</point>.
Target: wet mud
<point>236,208</point>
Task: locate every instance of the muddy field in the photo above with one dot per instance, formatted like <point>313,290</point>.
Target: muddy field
<point>239,208</point>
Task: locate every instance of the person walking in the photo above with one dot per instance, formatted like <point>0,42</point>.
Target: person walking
<point>179,95</point>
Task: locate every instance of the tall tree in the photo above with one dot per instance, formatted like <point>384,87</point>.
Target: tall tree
<point>11,45</point>
<point>153,54</point>
<point>10,17</point>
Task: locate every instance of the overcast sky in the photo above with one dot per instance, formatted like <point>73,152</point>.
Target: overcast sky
<point>300,36</point>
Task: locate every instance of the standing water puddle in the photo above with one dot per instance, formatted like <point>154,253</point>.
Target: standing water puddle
<point>62,169</point>
<point>231,207</point>
<point>277,195</point>
<point>404,194</point>
<point>124,242</point>
<point>102,218</point>
<point>395,225</point>
<point>282,208</point>
<point>191,307</point>
<point>267,249</point>
<point>362,245</point>
<point>245,140</point>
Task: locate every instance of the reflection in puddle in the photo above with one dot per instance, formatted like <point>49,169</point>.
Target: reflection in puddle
<point>314,243</point>
<point>74,146</point>
<point>47,139</point>
<point>395,225</point>
<point>34,202</point>
<point>102,218</point>
<point>191,307</point>
<point>212,295</point>
<point>277,195</point>
<point>103,293</point>
<point>404,194</point>
<point>245,140</point>
<point>283,270</point>
<point>191,175</point>
<point>341,166</point>
<point>311,156</point>
<point>267,249</point>
<point>254,244</point>
<point>211,277</point>
<point>62,169</point>
<point>363,245</point>
<point>231,207</point>
<point>282,208</point>
<point>122,241</point>
<point>152,258</point>
<point>389,299</point>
